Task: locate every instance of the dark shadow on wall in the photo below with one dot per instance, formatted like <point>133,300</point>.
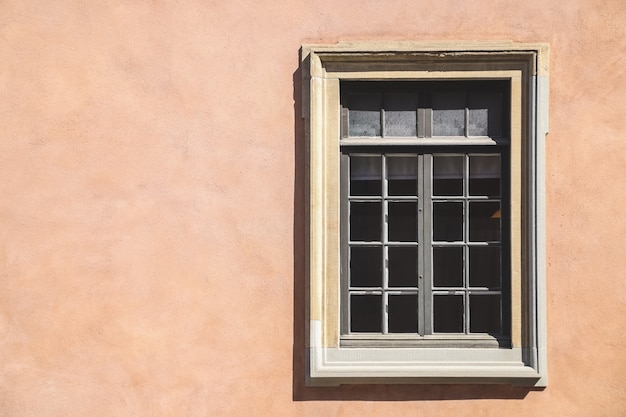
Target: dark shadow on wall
<point>372,392</point>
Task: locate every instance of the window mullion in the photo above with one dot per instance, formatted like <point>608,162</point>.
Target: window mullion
<point>385,240</point>
<point>425,246</point>
<point>466,114</point>
<point>383,132</point>
<point>428,122</point>
<point>466,309</point>
<point>423,122</point>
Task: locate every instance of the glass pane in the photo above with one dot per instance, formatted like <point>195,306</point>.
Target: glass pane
<point>448,221</point>
<point>402,266</point>
<point>485,114</point>
<point>400,114</point>
<point>402,222</point>
<point>402,313</point>
<point>448,314</point>
<point>402,175</point>
<point>448,113</point>
<point>366,313</point>
<point>485,313</point>
<point>484,266</point>
<point>448,175</point>
<point>364,114</point>
<point>366,266</point>
<point>484,175</point>
<point>365,175</point>
<point>447,266</point>
<point>365,221</point>
<point>484,221</point>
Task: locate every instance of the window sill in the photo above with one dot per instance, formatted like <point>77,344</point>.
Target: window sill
<point>337,366</point>
<point>332,366</point>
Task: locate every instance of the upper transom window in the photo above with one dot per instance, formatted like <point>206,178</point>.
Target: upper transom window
<point>427,109</point>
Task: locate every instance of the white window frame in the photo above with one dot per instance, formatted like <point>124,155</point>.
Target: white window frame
<point>526,67</point>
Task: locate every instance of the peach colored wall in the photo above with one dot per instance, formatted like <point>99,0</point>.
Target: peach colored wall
<point>151,206</point>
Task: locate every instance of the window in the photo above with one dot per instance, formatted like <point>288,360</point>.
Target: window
<point>423,247</point>
<point>425,256</point>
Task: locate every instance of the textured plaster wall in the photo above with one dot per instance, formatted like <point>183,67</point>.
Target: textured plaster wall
<point>151,206</point>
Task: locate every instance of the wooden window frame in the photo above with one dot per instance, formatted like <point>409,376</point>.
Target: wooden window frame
<point>525,66</point>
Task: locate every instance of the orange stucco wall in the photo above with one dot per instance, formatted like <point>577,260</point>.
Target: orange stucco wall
<point>152,206</point>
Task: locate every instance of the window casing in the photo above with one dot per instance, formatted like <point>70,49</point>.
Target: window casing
<point>512,350</point>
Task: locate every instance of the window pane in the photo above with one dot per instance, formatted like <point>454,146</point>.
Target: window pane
<point>402,313</point>
<point>484,175</point>
<point>484,221</point>
<point>448,313</point>
<point>365,175</point>
<point>448,221</point>
<point>484,266</point>
<point>448,175</point>
<point>366,266</point>
<point>447,266</point>
<point>365,221</point>
<point>448,113</point>
<point>402,266</point>
<point>400,114</point>
<point>485,313</point>
<point>365,313</point>
<point>402,175</point>
<point>402,222</point>
<point>485,114</point>
<point>364,114</point>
